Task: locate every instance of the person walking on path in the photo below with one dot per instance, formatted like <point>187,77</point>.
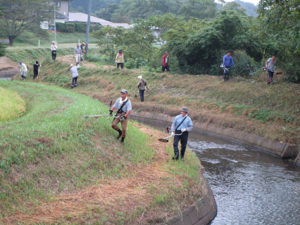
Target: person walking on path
<point>227,63</point>
<point>53,50</point>
<point>165,62</point>
<point>74,72</point>
<point>270,65</point>
<point>181,126</point>
<point>36,70</point>
<point>120,59</point>
<point>23,70</point>
<point>123,107</point>
<point>77,54</point>
<point>142,86</point>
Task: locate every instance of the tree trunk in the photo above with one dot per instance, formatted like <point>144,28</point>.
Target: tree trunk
<point>11,39</point>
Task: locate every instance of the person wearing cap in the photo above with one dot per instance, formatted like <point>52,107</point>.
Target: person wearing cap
<point>123,107</point>
<point>181,126</point>
<point>77,54</point>
<point>142,86</point>
<point>165,62</point>
<point>23,70</point>
<point>227,63</point>
<point>120,59</point>
<point>36,67</point>
<point>74,72</point>
<point>53,50</point>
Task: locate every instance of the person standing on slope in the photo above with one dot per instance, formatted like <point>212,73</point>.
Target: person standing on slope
<point>227,63</point>
<point>165,62</point>
<point>53,50</point>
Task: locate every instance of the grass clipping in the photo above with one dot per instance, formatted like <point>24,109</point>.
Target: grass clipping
<point>11,105</point>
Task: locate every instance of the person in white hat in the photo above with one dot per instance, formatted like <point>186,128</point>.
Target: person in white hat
<point>142,86</point>
<point>181,125</point>
<point>123,107</point>
<point>53,50</point>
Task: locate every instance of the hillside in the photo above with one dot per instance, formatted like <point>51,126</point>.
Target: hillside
<point>58,167</point>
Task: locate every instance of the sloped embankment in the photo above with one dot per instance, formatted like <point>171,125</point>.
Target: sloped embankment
<point>57,167</point>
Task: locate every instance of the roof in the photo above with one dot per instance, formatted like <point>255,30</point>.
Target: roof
<point>82,17</point>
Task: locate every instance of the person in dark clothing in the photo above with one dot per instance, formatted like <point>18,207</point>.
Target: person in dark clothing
<point>53,50</point>
<point>142,86</point>
<point>165,62</point>
<point>36,70</point>
<point>181,126</point>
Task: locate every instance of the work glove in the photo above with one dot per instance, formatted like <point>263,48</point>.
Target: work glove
<point>172,133</point>
<point>183,130</point>
<point>110,112</point>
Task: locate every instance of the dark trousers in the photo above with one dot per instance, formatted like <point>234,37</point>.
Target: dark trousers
<point>226,73</point>
<point>166,67</point>
<point>183,141</point>
<point>74,81</point>
<point>35,74</point>
<point>270,78</point>
<point>53,55</point>
<point>120,64</point>
<point>142,95</point>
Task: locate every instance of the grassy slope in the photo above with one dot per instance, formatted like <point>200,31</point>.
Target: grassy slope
<point>52,149</point>
<point>11,105</point>
<point>247,105</point>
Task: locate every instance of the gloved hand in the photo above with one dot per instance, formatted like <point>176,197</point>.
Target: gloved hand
<point>124,117</point>
<point>183,130</point>
<point>110,112</point>
<point>172,133</point>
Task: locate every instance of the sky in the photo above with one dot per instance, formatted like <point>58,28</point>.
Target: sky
<point>255,2</point>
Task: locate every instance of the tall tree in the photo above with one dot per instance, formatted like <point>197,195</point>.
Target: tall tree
<point>20,15</point>
<point>200,9</point>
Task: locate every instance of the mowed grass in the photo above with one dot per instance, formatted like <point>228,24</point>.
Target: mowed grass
<point>11,105</point>
<point>52,147</point>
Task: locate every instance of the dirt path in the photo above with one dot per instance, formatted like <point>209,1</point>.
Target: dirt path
<point>8,67</point>
<point>69,59</point>
<point>110,195</point>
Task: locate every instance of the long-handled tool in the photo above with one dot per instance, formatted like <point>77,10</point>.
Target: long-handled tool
<point>166,139</point>
<point>101,115</point>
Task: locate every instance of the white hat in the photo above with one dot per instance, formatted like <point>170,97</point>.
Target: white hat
<point>139,77</point>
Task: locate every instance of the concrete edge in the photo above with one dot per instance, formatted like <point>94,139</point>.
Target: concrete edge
<point>251,141</point>
<point>202,212</point>
<point>297,160</point>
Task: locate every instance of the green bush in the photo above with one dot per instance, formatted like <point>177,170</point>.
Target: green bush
<point>2,50</point>
<point>244,64</point>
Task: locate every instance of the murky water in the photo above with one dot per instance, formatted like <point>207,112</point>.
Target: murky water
<point>250,187</point>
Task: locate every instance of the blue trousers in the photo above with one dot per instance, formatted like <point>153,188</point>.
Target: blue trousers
<point>142,95</point>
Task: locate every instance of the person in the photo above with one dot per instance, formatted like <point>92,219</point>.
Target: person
<point>23,70</point>
<point>74,72</point>
<point>181,126</point>
<point>142,86</point>
<point>270,65</point>
<point>120,59</point>
<point>77,54</point>
<point>123,107</point>
<point>165,62</point>
<point>82,46</point>
<point>36,70</point>
<point>53,50</point>
<point>227,63</point>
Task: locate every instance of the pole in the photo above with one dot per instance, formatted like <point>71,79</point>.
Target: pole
<point>54,10</point>
<point>88,27</point>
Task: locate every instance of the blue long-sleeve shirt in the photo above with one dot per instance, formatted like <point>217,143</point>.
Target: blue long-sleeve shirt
<point>187,123</point>
<point>228,61</point>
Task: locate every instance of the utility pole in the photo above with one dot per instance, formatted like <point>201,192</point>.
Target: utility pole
<point>54,10</point>
<point>88,27</point>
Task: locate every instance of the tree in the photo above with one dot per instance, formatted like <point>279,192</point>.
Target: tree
<point>2,47</point>
<point>280,28</point>
<point>20,15</point>
<point>200,9</point>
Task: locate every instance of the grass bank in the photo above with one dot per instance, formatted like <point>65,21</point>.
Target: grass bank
<point>53,159</point>
<point>247,105</point>
<point>11,105</point>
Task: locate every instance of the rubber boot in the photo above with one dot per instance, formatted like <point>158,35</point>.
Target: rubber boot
<point>175,157</point>
<point>122,140</point>
<point>120,134</point>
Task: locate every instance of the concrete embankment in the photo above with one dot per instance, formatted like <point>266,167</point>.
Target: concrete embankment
<point>202,212</point>
<point>251,141</point>
<point>297,160</point>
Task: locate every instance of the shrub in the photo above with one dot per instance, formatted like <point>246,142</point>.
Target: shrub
<point>2,49</point>
<point>244,64</point>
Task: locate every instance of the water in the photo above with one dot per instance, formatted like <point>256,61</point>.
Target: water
<point>249,187</point>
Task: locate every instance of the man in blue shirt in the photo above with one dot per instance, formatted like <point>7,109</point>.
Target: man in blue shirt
<point>182,124</point>
<point>227,63</point>
<point>270,64</point>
